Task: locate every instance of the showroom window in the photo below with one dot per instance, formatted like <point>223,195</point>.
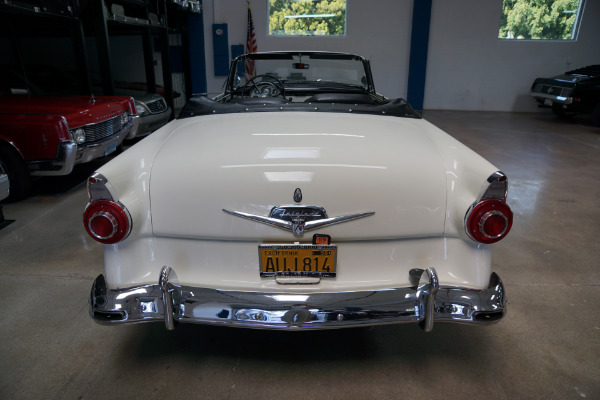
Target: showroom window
<point>540,19</point>
<point>307,17</point>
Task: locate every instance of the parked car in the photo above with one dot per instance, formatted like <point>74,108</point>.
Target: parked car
<point>43,136</point>
<point>298,199</point>
<point>576,91</point>
<point>44,80</point>
<point>151,108</point>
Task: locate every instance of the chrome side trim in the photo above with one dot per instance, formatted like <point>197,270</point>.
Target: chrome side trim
<point>170,303</point>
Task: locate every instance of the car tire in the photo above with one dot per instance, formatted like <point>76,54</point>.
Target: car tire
<point>18,178</point>
<point>561,112</point>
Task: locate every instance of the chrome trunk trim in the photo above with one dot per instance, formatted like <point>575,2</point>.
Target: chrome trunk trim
<point>306,224</point>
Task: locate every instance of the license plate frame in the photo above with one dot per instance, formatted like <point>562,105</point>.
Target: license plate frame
<point>290,260</point>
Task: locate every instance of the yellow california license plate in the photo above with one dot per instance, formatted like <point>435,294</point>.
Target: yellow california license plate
<point>297,260</point>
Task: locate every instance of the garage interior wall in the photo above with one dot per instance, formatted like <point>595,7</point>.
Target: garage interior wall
<point>468,67</point>
<point>378,30</point>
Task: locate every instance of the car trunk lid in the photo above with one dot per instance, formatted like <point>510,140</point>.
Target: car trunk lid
<point>251,163</point>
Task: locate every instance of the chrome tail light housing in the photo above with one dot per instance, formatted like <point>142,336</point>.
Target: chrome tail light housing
<point>489,219</point>
<point>105,219</point>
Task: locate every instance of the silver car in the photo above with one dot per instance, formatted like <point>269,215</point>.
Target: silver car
<point>152,108</point>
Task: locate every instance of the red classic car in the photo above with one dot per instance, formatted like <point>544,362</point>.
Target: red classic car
<point>43,136</point>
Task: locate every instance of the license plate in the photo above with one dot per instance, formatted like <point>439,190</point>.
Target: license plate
<point>111,148</point>
<point>297,260</point>
<point>548,102</point>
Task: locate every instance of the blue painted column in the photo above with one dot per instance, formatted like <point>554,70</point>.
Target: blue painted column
<point>419,45</point>
<point>196,51</point>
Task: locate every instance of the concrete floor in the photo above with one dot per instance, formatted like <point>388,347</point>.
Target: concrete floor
<point>547,347</point>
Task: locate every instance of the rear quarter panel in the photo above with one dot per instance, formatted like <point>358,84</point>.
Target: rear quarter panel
<point>466,175</point>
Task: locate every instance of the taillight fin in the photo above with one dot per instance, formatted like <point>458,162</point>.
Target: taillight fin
<point>98,189</point>
<point>495,188</point>
<point>105,218</point>
<point>489,218</point>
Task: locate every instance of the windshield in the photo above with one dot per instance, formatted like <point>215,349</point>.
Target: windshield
<point>316,82</point>
<point>305,68</point>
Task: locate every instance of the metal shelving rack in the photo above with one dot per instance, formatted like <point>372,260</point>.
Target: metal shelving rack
<point>153,20</point>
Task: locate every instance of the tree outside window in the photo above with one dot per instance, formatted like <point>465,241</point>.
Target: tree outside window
<point>307,17</point>
<point>540,19</point>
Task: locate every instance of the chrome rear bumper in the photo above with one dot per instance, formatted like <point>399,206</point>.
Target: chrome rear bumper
<point>423,303</point>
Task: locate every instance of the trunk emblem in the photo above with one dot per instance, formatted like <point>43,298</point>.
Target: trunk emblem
<point>298,226</point>
<point>297,218</point>
<point>297,195</point>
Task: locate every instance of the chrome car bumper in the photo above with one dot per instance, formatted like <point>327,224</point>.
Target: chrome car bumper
<point>425,303</point>
<point>550,98</point>
<point>70,154</point>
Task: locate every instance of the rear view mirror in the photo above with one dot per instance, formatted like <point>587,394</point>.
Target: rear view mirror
<point>300,66</point>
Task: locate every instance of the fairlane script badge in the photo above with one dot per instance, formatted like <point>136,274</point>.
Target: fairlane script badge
<point>298,219</point>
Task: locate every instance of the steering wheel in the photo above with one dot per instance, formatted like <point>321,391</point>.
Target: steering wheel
<point>267,86</point>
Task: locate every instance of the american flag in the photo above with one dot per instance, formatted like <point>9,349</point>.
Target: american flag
<point>251,47</point>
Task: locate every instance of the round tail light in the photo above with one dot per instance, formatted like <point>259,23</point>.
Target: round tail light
<point>489,221</point>
<point>106,221</point>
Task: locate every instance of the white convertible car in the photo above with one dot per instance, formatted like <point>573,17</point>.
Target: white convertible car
<point>298,199</point>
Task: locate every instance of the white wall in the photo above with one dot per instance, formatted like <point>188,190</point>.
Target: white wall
<point>468,68</point>
<point>376,29</point>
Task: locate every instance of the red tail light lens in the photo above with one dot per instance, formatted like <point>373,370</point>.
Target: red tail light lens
<point>106,221</point>
<point>489,221</point>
